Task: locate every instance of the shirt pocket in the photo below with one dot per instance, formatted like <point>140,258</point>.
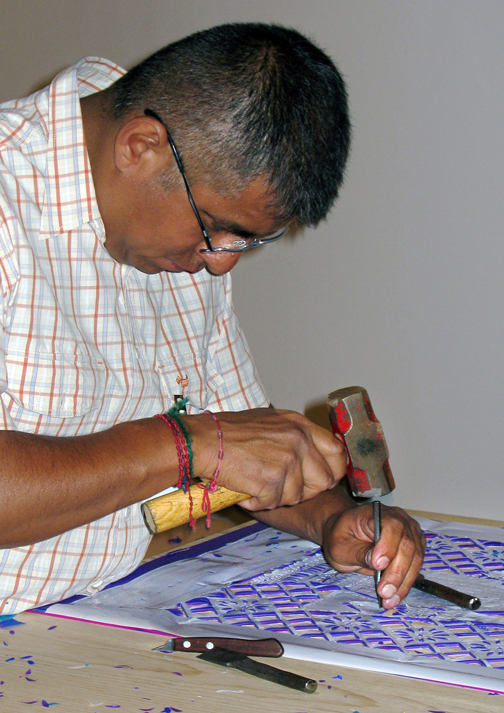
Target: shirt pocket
<point>63,386</point>
<point>191,371</point>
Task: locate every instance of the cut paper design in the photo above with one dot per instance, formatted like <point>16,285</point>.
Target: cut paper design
<point>308,599</point>
<point>271,582</point>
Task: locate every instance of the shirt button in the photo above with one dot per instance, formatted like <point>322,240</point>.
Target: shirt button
<point>94,586</point>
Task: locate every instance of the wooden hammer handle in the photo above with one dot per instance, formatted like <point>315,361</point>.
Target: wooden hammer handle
<point>172,509</point>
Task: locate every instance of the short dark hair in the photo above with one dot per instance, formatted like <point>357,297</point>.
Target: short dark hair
<point>247,100</point>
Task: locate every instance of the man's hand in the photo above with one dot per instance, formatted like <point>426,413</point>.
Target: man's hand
<point>345,532</point>
<point>348,544</point>
<point>278,457</point>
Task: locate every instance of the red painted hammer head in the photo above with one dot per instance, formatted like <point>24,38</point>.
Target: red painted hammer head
<point>352,417</point>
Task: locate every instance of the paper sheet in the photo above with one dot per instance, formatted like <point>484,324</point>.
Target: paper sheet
<point>269,582</point>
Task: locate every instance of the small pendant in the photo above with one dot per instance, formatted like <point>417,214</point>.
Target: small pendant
<point>177,398</point>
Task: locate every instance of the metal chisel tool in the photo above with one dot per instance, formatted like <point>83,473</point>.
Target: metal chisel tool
<point>377,533</point>
<point>447,593</point>
<point>231,659</point>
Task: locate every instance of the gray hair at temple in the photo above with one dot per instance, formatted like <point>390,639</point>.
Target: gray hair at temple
<point>244,101</point>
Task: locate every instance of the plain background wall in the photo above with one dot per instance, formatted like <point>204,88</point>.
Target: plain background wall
<point>400,290</point>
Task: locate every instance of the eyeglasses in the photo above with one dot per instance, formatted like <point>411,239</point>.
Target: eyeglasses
<point>237,246</point>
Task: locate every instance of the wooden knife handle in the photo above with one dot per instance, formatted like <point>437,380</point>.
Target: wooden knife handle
<point>172,509</point>
<point>250,647</point>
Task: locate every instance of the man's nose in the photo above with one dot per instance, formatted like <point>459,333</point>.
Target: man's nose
<point>218,263</point>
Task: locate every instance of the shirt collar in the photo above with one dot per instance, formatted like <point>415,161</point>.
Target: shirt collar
<point>70,199</point>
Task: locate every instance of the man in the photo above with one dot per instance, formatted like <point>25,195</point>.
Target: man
<point>124,203</point>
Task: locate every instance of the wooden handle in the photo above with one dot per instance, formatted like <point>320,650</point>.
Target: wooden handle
<point>172,509</point>
<point>250,647</point>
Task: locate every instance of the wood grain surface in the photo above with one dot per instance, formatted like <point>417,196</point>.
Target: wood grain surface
<point>87,667</point>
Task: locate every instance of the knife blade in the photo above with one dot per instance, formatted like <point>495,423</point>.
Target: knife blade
<point>198,644</point>
<point>241,662</point>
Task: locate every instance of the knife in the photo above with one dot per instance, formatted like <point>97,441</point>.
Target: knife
<point>241,662</point>
<point>196,644</point>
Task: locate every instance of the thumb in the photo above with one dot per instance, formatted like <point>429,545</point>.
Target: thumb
<point>332,450</point>
<point>352,555</point>
<point>349,542</point>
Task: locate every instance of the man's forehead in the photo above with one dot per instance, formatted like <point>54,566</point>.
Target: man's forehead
<point>250,213</point>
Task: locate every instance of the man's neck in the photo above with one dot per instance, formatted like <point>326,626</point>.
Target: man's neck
<point>99,132</point>
<point>98,126</point>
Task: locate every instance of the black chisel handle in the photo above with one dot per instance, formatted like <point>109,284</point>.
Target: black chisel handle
<point>447,593</point>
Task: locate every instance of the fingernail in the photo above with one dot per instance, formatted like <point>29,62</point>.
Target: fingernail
<point>388,591</point>
<point>367,558</point>
<point>393,602</point>
<point>383,562</point>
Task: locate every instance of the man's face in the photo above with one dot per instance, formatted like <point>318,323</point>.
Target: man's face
<point>156,230</point>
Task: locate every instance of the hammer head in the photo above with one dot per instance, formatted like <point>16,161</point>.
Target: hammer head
<point>352,417</point>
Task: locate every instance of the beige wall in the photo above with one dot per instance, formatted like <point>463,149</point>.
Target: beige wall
<point>400,290</point>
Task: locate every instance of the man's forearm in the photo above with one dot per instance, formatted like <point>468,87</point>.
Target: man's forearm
<point>50,485</point>
<point>307,519</point>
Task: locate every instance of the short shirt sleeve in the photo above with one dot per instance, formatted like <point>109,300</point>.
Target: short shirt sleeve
<point>7,288</point>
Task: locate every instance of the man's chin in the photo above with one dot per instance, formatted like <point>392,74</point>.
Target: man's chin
<point>163,265</point>
<point>148,270</point>
<point>155,266</point>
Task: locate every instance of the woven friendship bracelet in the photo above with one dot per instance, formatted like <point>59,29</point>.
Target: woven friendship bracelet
<point>181,450</point>
<point>184,451</point>
<point>174,414</point>
<point>211,486</point>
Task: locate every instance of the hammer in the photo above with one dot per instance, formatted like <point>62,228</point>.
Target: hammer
<point>352,418</point>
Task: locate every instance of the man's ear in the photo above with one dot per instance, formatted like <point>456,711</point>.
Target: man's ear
<point>141,146</point>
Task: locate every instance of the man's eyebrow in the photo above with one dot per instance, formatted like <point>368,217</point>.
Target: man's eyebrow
<point>228,226</point>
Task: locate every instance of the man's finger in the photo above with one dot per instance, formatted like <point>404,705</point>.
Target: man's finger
<point>332,450</point>
<point>403,538</point>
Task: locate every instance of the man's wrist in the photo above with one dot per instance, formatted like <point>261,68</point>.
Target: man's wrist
<point>205,444</point>
<point>333,505</point>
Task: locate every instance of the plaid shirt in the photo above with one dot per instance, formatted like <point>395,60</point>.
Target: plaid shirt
<point>86,342</point>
